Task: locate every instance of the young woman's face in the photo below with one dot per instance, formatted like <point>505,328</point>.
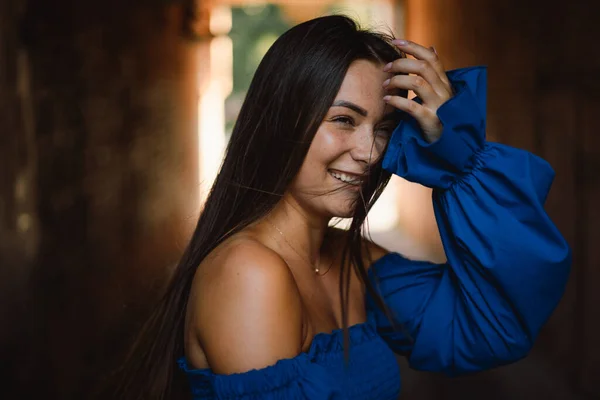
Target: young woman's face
<point>351,138</point>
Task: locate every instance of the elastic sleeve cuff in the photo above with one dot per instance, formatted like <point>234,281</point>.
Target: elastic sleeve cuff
<point>440,163</point>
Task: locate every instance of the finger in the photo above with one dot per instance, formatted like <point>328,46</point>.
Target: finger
<point>418,85</point>
<point>416,50</point>
<point>422,68</point>
<point>427,119</point>
<point>423,53</point>
<point>411,107</point>
<point>439,68</point>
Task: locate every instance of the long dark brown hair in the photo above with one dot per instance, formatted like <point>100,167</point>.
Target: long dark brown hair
<point>290,94</point>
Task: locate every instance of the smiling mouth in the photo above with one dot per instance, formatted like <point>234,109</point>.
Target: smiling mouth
<point>349,179</point>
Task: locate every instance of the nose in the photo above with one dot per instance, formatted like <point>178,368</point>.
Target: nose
<point>365,147</point>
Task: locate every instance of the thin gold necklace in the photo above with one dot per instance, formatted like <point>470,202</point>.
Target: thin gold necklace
<point>314,266</point>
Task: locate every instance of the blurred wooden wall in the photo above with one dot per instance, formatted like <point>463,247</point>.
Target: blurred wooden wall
<point>544,96</point>
<point>98,181</point>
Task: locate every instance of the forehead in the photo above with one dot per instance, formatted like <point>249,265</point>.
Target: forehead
<point>363,85</point>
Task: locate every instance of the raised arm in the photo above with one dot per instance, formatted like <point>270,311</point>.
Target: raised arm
<point>507,263</point>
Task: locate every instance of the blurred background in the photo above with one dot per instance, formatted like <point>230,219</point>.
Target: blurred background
<point>113,120</point>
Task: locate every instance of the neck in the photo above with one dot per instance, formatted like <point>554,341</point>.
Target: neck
<point>303,229</point>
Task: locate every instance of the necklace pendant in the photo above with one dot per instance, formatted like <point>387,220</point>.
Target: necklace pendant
<point>316,270</point>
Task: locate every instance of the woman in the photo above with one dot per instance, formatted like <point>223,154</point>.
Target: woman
<point>259,304</point>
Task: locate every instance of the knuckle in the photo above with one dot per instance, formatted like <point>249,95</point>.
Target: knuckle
<point>418,82</point>
<point>412,106</point>
<point>434,57</point>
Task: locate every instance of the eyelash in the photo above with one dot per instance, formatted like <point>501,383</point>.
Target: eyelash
<point>344,120</point>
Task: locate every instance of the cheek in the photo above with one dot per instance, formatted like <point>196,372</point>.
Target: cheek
<point>327,146</point>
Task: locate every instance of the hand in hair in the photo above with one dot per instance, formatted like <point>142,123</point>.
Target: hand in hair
<point>425,76</point>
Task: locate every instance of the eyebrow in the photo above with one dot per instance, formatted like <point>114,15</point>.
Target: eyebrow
<point>352,106</point>
<point>358,109</point>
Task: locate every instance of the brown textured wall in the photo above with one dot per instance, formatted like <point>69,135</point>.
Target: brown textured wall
<point>98,186</point>
<point>543,88</point>
<point>18,227</point>
<point>567,105</point>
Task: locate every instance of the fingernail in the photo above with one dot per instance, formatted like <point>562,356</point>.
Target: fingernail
<point>433,49</point>
<point>387,67</point>
<point>387,98</point>
<point>400,42</point>
<point>386,82</point>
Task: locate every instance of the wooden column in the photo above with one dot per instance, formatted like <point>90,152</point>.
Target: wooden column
<point>18,216</point>
<point>567,105</point>
<point>101,136</point>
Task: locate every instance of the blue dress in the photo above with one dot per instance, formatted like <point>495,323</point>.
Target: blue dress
<point>506,272</point>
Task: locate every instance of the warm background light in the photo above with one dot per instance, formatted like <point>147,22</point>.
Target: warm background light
<point>403,207</point>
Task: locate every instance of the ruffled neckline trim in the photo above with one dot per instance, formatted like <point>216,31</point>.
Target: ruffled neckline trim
<point>302,371</point>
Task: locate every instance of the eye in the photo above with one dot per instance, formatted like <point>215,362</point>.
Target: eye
<point>385,131</point>
<point>344,120</point>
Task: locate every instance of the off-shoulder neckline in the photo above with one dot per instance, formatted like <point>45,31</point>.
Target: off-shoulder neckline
<point>321,342</point>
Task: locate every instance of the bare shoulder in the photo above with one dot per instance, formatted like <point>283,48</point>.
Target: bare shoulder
<point>248,312</point>
<point>250,259</point>
<point>373,251</point>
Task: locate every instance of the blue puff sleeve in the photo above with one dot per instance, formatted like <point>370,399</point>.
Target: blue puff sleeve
<point>296,378</point>
<point>507,263</point>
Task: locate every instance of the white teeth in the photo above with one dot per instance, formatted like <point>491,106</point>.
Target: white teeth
<point>345,178</point>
